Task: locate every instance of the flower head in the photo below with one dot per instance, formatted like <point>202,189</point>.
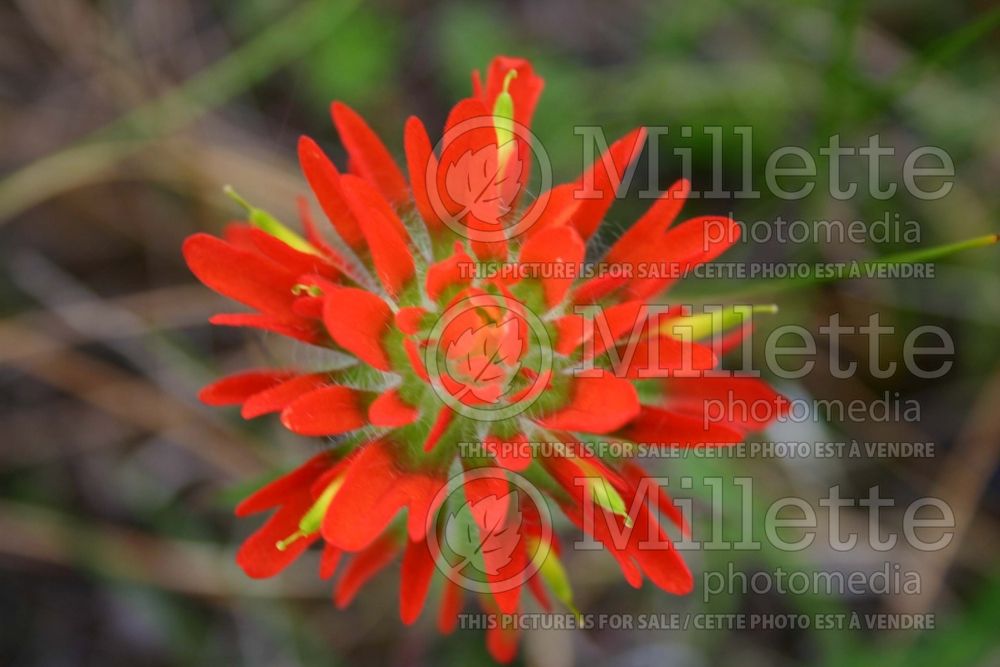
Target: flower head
<point>458,302</point>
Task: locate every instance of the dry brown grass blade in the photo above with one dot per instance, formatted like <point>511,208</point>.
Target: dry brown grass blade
<point>127,398</point>
<point>963,480</point>
<point>181,566</point>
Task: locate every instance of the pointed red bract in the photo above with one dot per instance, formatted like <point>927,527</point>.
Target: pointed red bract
<point>276,492</point>
<point>324,179</point>
<point>510,453</point>
<point>382,229</point>
<point>450,272</point>
<point>374,490</point>
<point>363,567</point>
<point>329,561</point>
<point>451,605</point>
<point>409,320</point>
<point>390,411</point>
<point>558,247</point>
<point>414,579</point>
<point>259,555</point>
<point>657,426</point>
<point>369,156</point>
<point>596,405</point>
<point>746,403</point>
<point>244,276</point>
<point>441,423</point>
<point>416,359</point>
<point>276,398</point>
<point>357,320</point>
<point>501,641</point>
<point>313,235</point>
<point>662,356</point>
<point>326,411</point>
<point>680,250</point>
<point>662,503</point>
<point>422,165</point>
<point>306,334</point>
<point>596,189</point>
<point>295,261</point>
<point>652,224</point>
<point>594,333</point>
<point>235,389</point>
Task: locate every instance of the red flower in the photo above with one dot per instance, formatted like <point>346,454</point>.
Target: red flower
<point>447,347</point>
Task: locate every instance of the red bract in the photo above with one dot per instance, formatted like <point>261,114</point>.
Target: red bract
<point>437,346</point>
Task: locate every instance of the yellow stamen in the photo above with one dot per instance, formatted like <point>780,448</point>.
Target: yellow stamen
<point>503,120</point>
<point>266,222</point>
<point>553,574</point>
<point>704,325</point>
<point>281,545</point>
<point>603,493</point>
<point>298,289</point>
<point>311,521</point>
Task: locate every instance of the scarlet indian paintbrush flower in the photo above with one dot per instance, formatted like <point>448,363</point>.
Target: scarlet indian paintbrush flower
<point>423,279</point>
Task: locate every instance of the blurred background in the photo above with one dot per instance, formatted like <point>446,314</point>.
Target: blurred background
<point>121,121</point>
